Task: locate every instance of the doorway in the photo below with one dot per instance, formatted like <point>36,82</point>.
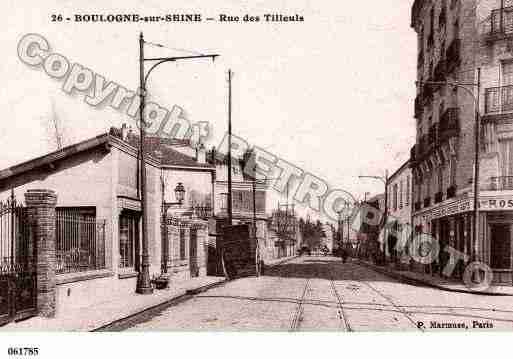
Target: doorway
<point>500,246</point>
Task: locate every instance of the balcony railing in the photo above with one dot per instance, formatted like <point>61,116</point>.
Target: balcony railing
<point>502,21</point>
<point>449,124</point>
<point>499,99</point>
<point>453,55</point>
<point>501,183</point>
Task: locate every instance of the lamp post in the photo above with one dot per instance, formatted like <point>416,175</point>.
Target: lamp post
<point>179,195</point>
<point>143,277</point>
<point>477,133</point>
<point>385,215</point>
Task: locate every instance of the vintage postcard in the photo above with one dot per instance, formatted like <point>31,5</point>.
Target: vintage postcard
<point>291,166</point>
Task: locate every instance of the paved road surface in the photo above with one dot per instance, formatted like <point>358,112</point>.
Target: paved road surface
<point>322,293</point>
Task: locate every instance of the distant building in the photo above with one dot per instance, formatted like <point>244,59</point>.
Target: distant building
<point>399,205</point>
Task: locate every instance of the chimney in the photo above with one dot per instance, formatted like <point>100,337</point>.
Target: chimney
<point>124,132</point>
<point>201,154</point>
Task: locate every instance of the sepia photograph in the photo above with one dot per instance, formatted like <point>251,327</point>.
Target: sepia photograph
<point>267,167</point>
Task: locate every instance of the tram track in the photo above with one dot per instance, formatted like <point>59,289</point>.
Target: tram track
<point>398,308</point>
<point>298,314</point>
<point>340,301</point>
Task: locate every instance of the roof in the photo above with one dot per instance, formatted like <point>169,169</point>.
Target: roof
<point>158,148</point>
<point>400,169</point>
<point>102,139</point>
<point>161,149</point>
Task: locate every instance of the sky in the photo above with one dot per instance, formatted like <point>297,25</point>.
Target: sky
<point>333,94</point>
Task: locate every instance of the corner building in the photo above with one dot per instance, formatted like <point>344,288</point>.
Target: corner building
<point>457,39</point>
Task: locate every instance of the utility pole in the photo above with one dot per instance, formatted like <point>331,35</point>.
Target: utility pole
<point>143,279</point>
<point>476,168</point>
<point>254,206</point>
<point>230,209</point>
<point>385,219</point>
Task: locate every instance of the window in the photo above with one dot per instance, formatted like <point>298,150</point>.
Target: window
<point>395,197</point>
<point>432,20</point>
<point>428,186</point>
<point>456,29</point>
<point>452,164</point>
<point>507,73</point>
<point>401,189</point>
<point>182,244</point>
<point>128,239</point>
<point>79,240</point>
<point>440,179</point>
<point>419,189</point>
<point>407,196</point>
<point>506,157</point>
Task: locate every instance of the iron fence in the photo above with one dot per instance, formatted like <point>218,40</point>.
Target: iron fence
<point>15,253</point>
<point>80,242</point>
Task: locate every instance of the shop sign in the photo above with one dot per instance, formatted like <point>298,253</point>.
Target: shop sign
<point>499,203</point>
<point>496,203</point>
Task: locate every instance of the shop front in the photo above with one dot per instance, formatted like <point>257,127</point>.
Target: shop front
<point>451,225</point>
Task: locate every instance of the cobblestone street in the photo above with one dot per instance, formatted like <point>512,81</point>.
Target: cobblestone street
<point>322,293</point>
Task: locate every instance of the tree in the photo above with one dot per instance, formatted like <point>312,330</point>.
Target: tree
<point>57,134</point>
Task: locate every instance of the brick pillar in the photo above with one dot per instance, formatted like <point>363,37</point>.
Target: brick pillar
<point>41,211</point>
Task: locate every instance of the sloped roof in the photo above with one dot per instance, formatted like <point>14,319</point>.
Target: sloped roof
<point>162,149</point>
<point>54,156</point>
<point>159,149</point>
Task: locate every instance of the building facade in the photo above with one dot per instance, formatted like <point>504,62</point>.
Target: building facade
<point>399,209</point>
<point>98,214</point>
<point>465,42</point>
<point>368,223</point>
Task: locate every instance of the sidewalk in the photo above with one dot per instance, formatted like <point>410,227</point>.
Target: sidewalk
<point>435,281</point>
<point>278,261</point>
<point>94,317</point>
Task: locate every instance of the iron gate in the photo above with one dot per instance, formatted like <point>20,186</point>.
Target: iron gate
<point>18,293</point>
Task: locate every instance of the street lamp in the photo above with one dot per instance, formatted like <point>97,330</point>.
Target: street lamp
<point>477,130</point>
<point>385,215</point>
<point>143,277</point>
<point>179,195</point>
<point>179,192</point>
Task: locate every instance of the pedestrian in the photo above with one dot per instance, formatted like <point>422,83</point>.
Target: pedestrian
<point>344,255</point>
